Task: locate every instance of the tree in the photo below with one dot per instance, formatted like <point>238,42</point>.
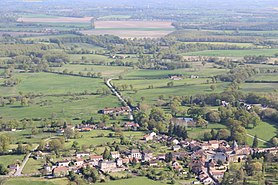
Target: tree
<point>274,141</point>
<point>56,145</point>
<point>106,154</point>
<point>223,134</point>
<point>68,133</point>
<point>3,170</point>
<point>213,116</point>
<point>5,141</point>
<point>255,142</point>
<point>207,136</point>
<point>213,87</point>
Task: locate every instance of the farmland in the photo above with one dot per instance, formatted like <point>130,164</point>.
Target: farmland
<point>132,29</point>
<point>113,92</point>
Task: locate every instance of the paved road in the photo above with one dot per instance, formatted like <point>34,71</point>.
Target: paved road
<point>264,141</point>
<point>19,171</point>
<point>108,83</point>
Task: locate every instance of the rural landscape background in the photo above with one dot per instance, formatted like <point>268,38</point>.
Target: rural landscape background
<point>137,92</point>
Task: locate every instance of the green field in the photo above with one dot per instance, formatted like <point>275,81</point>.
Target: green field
<point>234,53</point>
<point>264,130</point>
<point>106,71</point>
<point>258,87</point>
<point>47,83</point>
<point>92,138</point>
<point>10,159</point>
<point>265,77</point>
<point>134,181</point>
<point>35,181</point>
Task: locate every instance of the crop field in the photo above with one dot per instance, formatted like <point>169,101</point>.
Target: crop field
<point>234,53</point>
<point>132,29</point>
<point>265,77</point>
<point>54,19</point>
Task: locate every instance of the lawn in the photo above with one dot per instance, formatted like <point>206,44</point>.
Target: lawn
<point>32,166</point>
<point>35,181</point>
<point>265,130</point>
<point>93,137</point>
<point>10,159</point>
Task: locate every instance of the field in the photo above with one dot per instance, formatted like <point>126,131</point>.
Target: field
<point>54,19</point>
<point>258,87</point>
<point>47,83</point>
<point>94,138</point>
<point>234,53</point>
<point>134,181</point>
<point>264,130</point>
<point>132,29</point>
<point>10,159</point>
<point>32,166</point>
<point>35,181</point>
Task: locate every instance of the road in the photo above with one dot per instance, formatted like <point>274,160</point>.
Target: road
<point>108,83</point>
<point>19,171</point>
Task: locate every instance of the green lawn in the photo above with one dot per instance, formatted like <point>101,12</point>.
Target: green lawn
<point>264,130</point>
<point>91,138</point>
<point>32,166</point>
<point>10,159</point>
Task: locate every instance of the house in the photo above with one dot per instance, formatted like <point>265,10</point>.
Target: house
<point>86,129</point>
<point>214,144</point>
<point>78,162</point>
<point>60,171</point>
<point>176,147</point>
<point>193,76</point>
<point>107,166</point>
<point>187,122</point>
<point>47,167</point>
<point>13,167</point>
<point>176,166</point>
<point>153,163</point>
<point>217,174</point>
<point>116,110</point>
<point>175,142</point>
<point>135,153</point>
<point>161,157</point>
<point>150,136</point>
<point>131,125</point>
<point>176,77</point>
<point>96,158</point>
<point>147,155</point>
<point>115,155</point>
<point>82,154</point>
<point>119,162</point>
<point>38,155</point>
<point>63,163</point>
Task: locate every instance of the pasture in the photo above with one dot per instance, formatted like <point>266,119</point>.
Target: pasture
<point>10,159</point>
<point>134,181</point>
<point>47,83</point>
<point>51,19</point>
<point>35,181</point>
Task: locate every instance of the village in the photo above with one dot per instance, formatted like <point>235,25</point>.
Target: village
<point>206,161</point>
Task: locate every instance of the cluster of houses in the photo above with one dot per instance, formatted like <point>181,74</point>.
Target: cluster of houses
<point>208,160</point>
<point>116,110</point>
